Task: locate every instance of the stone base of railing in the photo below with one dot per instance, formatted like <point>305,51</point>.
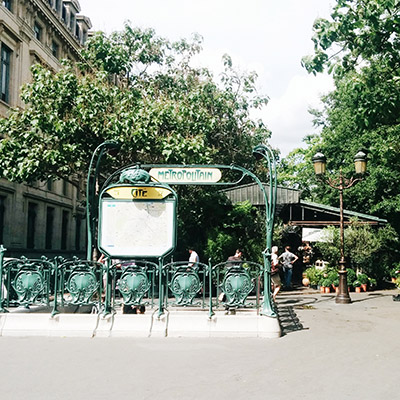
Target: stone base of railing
<point>182,323</point>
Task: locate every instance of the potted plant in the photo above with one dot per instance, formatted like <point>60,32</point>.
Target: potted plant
<point>372,283</point>
<point>326,283</point>
<point>335,285</point>
<point>314,276</point>
<point>357,286</point>
<point>398,282</point>
<point>363,279</point>
<point>395,273</point>
<point>351,277</point>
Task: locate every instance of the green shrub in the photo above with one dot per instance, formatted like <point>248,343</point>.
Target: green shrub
<point>314,275</point>
<point>362,278</point>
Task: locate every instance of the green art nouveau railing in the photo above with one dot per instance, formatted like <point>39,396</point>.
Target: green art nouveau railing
<point>90,286</point>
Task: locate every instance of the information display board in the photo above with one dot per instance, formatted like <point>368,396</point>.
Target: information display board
<point>137,228</point>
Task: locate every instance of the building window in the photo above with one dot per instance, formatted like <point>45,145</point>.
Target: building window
<point>2,213</point>
<point>64,229</point>
<point>64,13</point>
<point>50,185</point>
<point>32,211</point>
<point>38,31</point>
<point>50,3</point>
<point>65,188</point>
<point>78,232</point>
<point>7,4</point>
<point>5,73</point>
<point>78,32</point>
<point>49,228</point>
<point>55,49</point>
<point>58,5</point>
<point>72,22</point>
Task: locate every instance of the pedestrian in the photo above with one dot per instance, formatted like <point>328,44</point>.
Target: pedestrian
<point>288,259</point>
<point>236,257</point>
<point>194,258</point>
<point>275,278</point>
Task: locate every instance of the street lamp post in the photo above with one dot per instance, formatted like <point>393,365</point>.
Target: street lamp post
<point>341,183</point>
<point>259,152</point>
<point>91,191</point>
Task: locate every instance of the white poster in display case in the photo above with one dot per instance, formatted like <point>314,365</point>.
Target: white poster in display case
<point>136,228</point>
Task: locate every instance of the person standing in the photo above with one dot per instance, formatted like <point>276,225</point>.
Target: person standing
<point>194,258</point>
<point>288,259</point>
<point>275,278</point>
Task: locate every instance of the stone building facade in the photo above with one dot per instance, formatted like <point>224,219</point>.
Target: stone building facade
<point>45,218</point>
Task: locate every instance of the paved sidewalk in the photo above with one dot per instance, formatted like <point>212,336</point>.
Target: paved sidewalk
<point>328,351</point>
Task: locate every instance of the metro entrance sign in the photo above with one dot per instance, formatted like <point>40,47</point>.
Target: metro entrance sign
<point>138,192</point>
<point>186,175</point>
<point>138,209</point>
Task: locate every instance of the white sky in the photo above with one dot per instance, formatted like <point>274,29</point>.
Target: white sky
<point>266,36</point>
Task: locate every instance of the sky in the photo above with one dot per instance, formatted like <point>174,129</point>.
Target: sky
<point>266,36</point>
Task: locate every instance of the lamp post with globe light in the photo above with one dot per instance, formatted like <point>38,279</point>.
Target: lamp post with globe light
<point>341,183</point>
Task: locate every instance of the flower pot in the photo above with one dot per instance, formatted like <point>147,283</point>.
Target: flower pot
<point>306,282</point>
<point>364,287</point>
<point>393,280</point>
<point>327,290</point>
<point>322,289</point>
<point>358,289</point>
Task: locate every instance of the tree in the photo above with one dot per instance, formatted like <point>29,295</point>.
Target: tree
<point>359,31</point>
<point>138,89</point>
<point>361,45</point>
<point>141,90</point>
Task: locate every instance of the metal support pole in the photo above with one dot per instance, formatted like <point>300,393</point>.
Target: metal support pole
<point>2,251</point>
<point>262,151</point>
<point>91,193</point>
<point>343,296</point>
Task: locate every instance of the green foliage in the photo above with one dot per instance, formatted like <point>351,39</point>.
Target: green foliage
<point>351,276</point>
<point>138,89</point>
<point>357,31</point>
<point>365,248</point>
<point>314,275</point>
<point>363,279</point>
<point>242,227</point>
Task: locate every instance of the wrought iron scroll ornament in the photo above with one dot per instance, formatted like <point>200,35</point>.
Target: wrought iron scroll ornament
<point>82,285</point>
<point>28,285</point>
<point>237,285</point>
<point>133,285</point>
<point>185,285</point>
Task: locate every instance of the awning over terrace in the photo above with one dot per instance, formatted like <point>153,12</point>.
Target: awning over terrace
<point>296,212</point>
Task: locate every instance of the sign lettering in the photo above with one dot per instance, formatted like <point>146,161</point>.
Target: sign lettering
<point>188,175</point>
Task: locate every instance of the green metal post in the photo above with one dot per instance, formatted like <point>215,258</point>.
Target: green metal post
<point>160,289</point>
<point>262,151</point>
<point>55,310</point>
<point>211,312</point>
<point>107,304</point>
<point>2,251</point>
<point>91,192</point>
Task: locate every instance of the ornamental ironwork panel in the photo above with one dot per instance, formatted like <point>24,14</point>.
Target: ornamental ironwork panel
<point>136,282</point>
<point>28,281</point>
<point>236,281</point>
<point>80,282</point>
<point>186,281</point>
<point>237,285</point>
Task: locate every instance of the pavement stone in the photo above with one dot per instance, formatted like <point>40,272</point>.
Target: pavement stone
<point>328,351</point>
